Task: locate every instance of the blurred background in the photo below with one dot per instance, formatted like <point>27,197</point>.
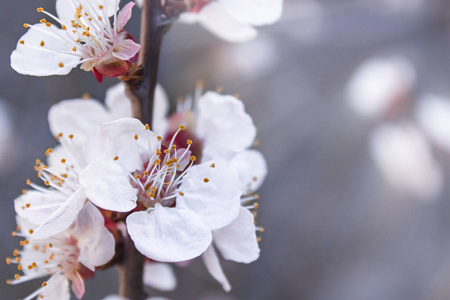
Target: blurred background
<point>352,102</point>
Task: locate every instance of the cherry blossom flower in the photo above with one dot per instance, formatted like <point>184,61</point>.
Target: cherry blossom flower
<point>69,256</point>
<point>85,37</point>
<point>55,206</point>
<point>175,204</point>
<point>381,86</point>
<point>404,158</point>
<point>225,131</point>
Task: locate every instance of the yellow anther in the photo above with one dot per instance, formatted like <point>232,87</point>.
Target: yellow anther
<point>49,150</point>
<point>31,231</point>
<point>145,173</point>
<point>100,7</point>
<point>99,18</point>
<point>16,252</point>
<point>43,21</point>
<point>147,126</point>
<point>256,197</point>
<point>36,247</point>
<point>158,152</point>
<point>63,160</point>
<point>136,136</point>
<point>24,192</point>
<point>167,151</point>
<point>22,243</point>
<point>26,25</point>
<point>206,180</point>
<point>19,267</point>
<point>173,147</point>
<point>48,24</point>
<point>40,9</point>
<point>42,44</point>
<point>256,205</point>
<point>22,42</point>
<point>189,142</point>
<point>213,165</point>
<point>17,259</point>
<point>26,242</point>
<point>64,27</point>
<point>44,284</point>
<point>181,193</point>
<point>50,245</point>
<point>158,138</point>
<point>27,205</point>
<point>259,239</point>
<point>41,296</point>
<point>153,189</point>
<point>64,175</point>
<point>45,261</point>
<point>116,158</point>
<point>182,127</point>
<point>168,183</point>
<point>255,178</point>
<point>60,64</point>
<point>47,182</point>
<point>16,276</point>
<point>70,136</point>
<point>192,158</point>
<point>137,176</point>
<point>74,49</point>
<point>8,261</point>
<point>9,281</point>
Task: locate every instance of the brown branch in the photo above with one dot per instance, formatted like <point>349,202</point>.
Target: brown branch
<point>154,24</point>
<point>130,271</point>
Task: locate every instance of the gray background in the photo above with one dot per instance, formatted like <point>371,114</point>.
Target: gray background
<point>335,230</point>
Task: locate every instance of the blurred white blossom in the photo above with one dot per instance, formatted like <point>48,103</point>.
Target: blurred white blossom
<point>405,159</point>
<point>380,86</point>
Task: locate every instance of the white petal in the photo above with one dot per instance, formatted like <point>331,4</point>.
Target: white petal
<point>119,106</point>
<point>168,234</point>
<point>96,243</point>
<point>211,192</point>
<point>77,117</point>
<point>405,159</point>
<point>126,49</point>
<point>108,186</point>
<point>251,168</point>
<point>223,125</point>
<point>62,218</point>
<point>32,59</point>
<point>57,288</point>
<point>124,15</point>
<point>118,139</point>
<point>254,12</point>
<point>238,241</point>
<point>42,205</point>
<point>433,113</point>
<point>214,268</point>
<point>218,21</point>
<point>159,276</point>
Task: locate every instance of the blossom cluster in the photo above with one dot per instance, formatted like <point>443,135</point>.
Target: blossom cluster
<point>180,194</point>
<point>180,188</point>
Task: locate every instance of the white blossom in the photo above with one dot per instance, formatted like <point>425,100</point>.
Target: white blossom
<point>85,37</point>
<point>68,256</point>
<point>176,204</point>
<point>404,158</point>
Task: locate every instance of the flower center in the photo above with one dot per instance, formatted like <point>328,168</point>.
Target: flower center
<point>160,177</point>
